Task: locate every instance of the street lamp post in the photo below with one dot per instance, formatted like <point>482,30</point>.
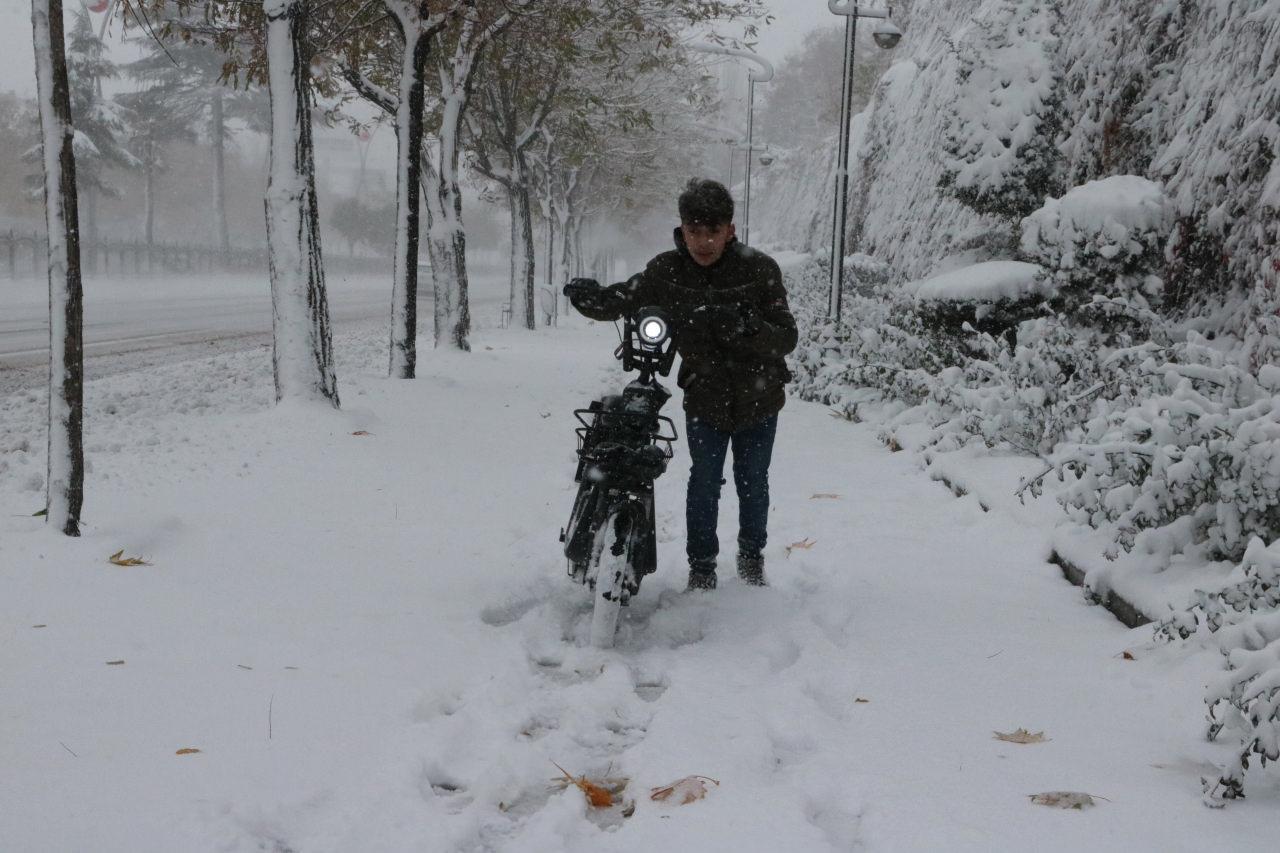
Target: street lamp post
<point>762,74</point>
<point>886,35</point>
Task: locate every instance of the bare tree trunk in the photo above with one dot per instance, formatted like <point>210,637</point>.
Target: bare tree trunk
<point>303,348</point>
<point>453,312</point>
<point>65,483</point>
<point>149,192</point>
<point>516,262</point>
<point>217,130</point>
<point>89,230</point>
<point>404,291</point>
<point>527,283</point>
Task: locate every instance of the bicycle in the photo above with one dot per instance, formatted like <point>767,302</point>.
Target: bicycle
<point>610,541</point>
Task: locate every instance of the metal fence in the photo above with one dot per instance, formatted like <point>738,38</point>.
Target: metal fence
<point>25,254</point>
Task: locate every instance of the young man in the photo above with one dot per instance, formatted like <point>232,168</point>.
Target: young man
<point>732,328</point>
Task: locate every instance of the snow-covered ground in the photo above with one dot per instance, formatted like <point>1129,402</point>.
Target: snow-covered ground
<point>371,641</point>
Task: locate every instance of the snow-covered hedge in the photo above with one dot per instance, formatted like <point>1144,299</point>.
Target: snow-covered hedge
<point>971,384</point>
<point>1103,239</point>
<point>1184,458</point>
<point>882,351</point>
<point>1243,620</point>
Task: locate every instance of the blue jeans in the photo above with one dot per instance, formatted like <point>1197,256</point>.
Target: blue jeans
<point>752,451</point>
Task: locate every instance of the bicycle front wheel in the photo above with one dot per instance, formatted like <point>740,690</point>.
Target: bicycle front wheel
<point>613,576</point>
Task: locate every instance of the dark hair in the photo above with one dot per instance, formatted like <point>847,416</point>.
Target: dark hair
<point>705,202</point>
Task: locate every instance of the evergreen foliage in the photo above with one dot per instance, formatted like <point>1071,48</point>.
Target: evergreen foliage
<point>103,125</point>
<point>1000,146</point>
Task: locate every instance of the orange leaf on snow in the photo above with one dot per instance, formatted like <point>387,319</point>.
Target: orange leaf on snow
<point>598,796</point>
<point>805,544</point>
<point>683,791</point>
<point>189,750</point>
<point>119,559</point>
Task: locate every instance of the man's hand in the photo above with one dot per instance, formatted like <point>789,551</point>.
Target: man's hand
<point>725,323</point>
<point>580,285</point>
<point>588,296</point>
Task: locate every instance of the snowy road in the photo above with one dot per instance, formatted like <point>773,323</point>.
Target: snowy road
<point>130,323</point>
<point>361,622</point>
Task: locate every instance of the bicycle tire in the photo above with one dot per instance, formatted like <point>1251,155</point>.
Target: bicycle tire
<point>614,561</point>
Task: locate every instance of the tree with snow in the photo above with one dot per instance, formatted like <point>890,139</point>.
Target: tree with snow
<point>157,123</point>
<point>414,27</point>
<point>65,481</point>
<point>271,43</point>
<point>303,354</point>
<point>102,124</point>
<point>184,90</point>
<point>1000,147</point>
<point>515,94</point>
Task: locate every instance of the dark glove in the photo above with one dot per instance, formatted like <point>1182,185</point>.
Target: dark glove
<point>752,320</point>
<point>578,287</point>
<point>586,294</point>
<point>723,323</point>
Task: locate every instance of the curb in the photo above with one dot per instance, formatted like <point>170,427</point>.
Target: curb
<point>1121,608</point>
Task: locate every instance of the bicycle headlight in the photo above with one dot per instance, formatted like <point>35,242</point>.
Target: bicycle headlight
<point>653,330</point>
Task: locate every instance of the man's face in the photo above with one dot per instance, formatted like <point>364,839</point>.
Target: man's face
<point>706,242</point>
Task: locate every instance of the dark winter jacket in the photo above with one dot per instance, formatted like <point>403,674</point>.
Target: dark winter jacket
<point>733,373</point>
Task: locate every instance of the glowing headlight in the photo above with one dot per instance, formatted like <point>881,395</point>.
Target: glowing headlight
<point>653,330</point>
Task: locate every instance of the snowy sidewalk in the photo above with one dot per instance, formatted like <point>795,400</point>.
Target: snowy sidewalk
<point>371,640</point>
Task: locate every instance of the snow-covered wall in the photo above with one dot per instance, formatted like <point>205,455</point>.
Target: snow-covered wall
<point>1183,92</point>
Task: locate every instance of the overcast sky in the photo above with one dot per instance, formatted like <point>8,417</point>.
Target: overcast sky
<point>794,18</point>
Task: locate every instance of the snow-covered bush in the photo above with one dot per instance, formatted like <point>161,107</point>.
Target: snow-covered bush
<point>999,144</point>
<point>1186,456</point>
<point>1244,621</point>
<point>1103,239</point>
<point>990,296</point>
<point>881,350</point>
<point>1028,397</point>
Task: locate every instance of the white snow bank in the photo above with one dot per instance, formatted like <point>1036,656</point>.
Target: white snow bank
<point>984,282</point>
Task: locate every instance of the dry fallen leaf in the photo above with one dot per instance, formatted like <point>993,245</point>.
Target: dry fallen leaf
<point>597,795</point>
<point>1021,736</point>
<point>362,432</point>
<point>119,559</point>
<point>187,751</point>
<point>804,544</point>
<point>1064,800</point>
<point>683,791</point>
<point>818,496</point>
<point>1128,656</point>
<point>115,663</point>
<point>861,701</point>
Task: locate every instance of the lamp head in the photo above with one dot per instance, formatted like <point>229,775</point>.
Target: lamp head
<point>766,159</point>
<point>886,34</point>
